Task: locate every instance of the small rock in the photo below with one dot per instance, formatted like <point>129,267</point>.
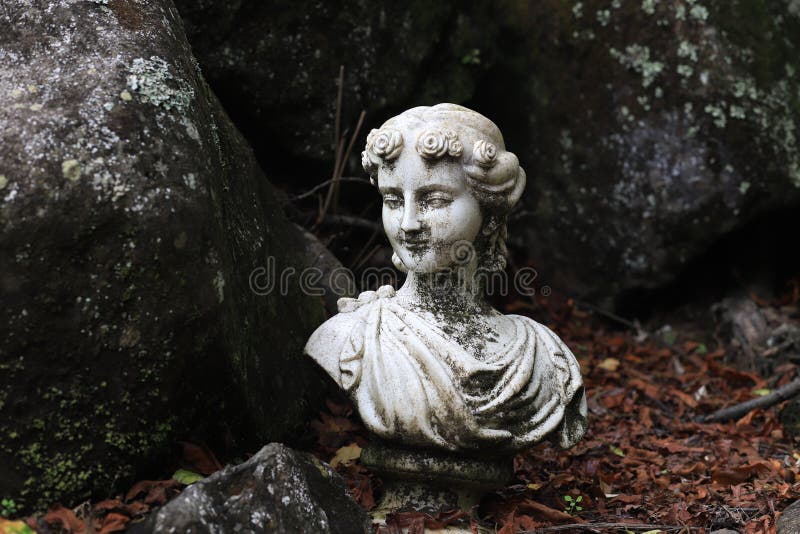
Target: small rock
<point>789,521</point>
<point>277,490</point>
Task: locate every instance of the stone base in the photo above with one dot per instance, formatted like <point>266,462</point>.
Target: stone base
<point>432,482</point>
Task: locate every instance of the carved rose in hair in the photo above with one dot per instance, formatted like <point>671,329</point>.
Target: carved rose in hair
<point>386,143</point>
<point>455,148</point>
<point>371,137</point>
<point>484,153</point>
<point>432,144</point>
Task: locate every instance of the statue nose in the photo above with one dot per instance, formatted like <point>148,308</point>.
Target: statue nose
<point>410,221</point>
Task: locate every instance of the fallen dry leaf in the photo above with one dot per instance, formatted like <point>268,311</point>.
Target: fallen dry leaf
<point>200,458</point>
<point>609,364</point>
<point>66,518</point>
<point>541,511</point>
<point>345,455</point>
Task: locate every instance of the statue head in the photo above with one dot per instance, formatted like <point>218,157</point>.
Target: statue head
<point>448,185</point>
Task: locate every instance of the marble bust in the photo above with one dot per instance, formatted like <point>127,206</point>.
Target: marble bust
<point>433,365</point>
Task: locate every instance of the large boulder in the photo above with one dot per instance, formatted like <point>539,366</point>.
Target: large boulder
<point>277,490</point>
<point>132,215</point>
<point>649,129</point>
<point>652,130</point>
<point>275,64</point>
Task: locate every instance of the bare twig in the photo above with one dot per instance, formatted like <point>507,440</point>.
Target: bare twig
<point>610,315</point>
<point>595,526</point>
<point>342,154</point>
<point>353,138</point>
<point>736,411</point>
<point>349,220</point>
<point>334,179</point>
<point>328,182</point>
<point>338,143</point>
<point>366,257</point>
<point>343,161</point>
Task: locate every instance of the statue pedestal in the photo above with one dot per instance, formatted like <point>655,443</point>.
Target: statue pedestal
<point>432,482</point>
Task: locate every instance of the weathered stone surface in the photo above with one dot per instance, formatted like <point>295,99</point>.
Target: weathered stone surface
<point>789,521</point>
<point>275,64</point>
<point>131,216</point>
<point>329,279</point>
<point>277,490</point>
<point>654,128</point>
<point>462,377</point>
<point>649,129</point>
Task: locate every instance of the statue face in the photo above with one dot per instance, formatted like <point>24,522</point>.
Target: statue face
<point>428,211</point>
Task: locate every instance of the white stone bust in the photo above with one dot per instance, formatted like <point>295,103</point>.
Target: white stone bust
<point>433,365</point>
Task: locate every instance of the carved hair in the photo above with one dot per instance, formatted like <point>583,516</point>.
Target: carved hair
<point>443,131</point>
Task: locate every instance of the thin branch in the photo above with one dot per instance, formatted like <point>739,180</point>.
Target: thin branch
<point>342,154</point>
<point>792,389</point>
<point>594,526</point>
<point>360,258</point>
<point>610,315</point>
<point>353,138</point>
<point>366,258</point>
<point>327,182</point>
<point>340,165</point>
<point>349,220</point>
<point>326,204</point>
<point>338,144</point>
<point>338,124</point>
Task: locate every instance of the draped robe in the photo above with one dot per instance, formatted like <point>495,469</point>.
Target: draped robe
<point>412,382</point>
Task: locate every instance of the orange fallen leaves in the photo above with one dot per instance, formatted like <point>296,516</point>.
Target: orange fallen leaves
<point>58,516</point>
<point>672,470</point>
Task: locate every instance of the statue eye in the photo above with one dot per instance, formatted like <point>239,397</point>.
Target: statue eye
<point>437,200</point>
<point>392,201</point>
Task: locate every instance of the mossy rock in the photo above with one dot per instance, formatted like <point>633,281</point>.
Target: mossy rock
<point>284,491</point>
<point>132,214</point>
<point>649,131</point>
<point>275,64</point>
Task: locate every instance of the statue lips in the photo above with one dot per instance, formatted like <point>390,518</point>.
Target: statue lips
<point>416,246</point>
<point>415,243</point>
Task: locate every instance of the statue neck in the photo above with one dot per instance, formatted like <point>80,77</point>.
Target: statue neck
<point>446,292</point>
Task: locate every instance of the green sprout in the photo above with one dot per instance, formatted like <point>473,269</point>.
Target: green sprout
<point>573,503</point>
<point>7,507</point>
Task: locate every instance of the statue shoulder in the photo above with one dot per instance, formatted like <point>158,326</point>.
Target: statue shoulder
<point>327,343</point>
<point>574,422</point>
<point>554,343</point>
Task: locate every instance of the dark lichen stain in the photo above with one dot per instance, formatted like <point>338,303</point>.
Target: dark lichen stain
<point>128,13</point>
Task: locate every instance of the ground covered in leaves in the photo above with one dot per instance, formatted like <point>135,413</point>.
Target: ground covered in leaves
<point>645,465</point>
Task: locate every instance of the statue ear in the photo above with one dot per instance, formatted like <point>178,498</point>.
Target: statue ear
<point>519,187</point>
